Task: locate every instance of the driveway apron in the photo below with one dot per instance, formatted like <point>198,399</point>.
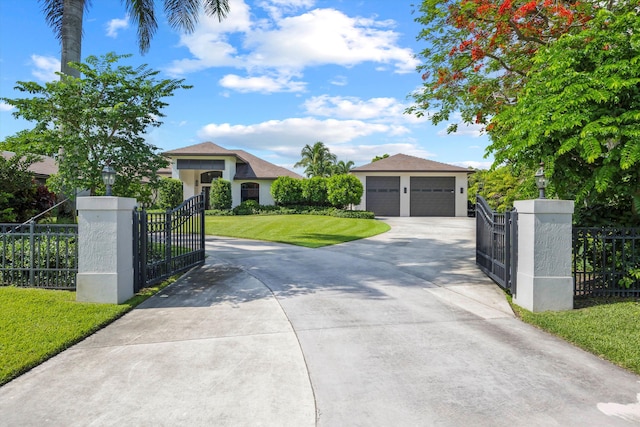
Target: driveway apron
<point>403,329</point>
<point>399,329</point>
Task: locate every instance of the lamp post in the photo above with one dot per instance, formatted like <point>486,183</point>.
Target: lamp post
<point>541,181</point>
<point>108,177</point>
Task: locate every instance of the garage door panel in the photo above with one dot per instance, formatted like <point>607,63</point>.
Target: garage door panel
<point>383,195</point>
<point>432,196</point>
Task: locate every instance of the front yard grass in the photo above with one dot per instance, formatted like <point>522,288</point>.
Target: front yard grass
<point>36,324</point>
<point>312,231</point>
<point>608,328</point>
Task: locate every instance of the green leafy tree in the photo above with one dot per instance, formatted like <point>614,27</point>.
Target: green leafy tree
<point>580,114</point>
<point>342,167</point>
<point>344,190</point>
<point>18,189</point>
<point>287,191</point>
<point>501,186</point>
<point>220,194</point>
<point>317,160</point>
<point>170,193</point>
<point>314,191</point>
<point>479,52</point>
<point>99,118</point>
<point>65,18</point>
<point>376,158</point>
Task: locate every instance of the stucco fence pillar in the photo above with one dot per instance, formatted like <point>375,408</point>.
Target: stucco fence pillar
<point>544,279</point>
<point>105,249</point>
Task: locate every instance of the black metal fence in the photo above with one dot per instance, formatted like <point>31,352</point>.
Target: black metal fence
<point>168,242</point>
<point>496,244</point>
<point>606,261</point>
<point>39,255</point>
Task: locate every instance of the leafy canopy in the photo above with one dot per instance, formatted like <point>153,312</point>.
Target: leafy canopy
<point>99,118</point>
<point>580,113</point>
<point>479,52</point>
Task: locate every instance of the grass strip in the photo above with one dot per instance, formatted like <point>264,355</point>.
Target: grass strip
<point>608,328</point>
<point>310,231</point>
<point>36,324</point>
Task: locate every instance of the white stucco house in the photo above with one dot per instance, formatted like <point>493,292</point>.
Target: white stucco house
<point>251,177</point>
<point>403,185</point>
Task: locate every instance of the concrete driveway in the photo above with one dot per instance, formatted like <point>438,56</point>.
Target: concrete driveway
<point>398,329</point>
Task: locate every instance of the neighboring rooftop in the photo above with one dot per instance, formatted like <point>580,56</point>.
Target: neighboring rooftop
<point>43,169</point>
<point>406,163</point>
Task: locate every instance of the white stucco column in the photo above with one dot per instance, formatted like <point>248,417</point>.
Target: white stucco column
<point>544,280</point>
<point>105,249</point>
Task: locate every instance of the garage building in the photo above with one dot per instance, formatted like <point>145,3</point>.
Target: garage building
<point>403,185</point>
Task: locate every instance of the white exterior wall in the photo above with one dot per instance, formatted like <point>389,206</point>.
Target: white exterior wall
<point>189,176</point>
<point>265,191</point>
<point>405,181</point>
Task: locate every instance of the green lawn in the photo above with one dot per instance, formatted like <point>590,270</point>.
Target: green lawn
<point>36,324</point>
<point>311,231</point>
<point>609,328</point>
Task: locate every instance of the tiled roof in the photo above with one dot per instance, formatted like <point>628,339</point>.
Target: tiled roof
<point>256,168</point>
<point>45,167</point>
<point>202,149</point>
<point>248,166</point>
<point>406,163</point>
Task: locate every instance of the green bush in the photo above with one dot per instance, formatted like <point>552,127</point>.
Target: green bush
<point>170,193</point>
<point>340,213</point>
<point>218,212</point>
<point>220,194</point>
<point>287,191</point>
<point>248,207</point>
<point>314,191</point>
<point>344,190</point>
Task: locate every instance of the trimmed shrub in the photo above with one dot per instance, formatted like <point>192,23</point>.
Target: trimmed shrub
<point>220,194</point>
<point>340,213</point>
<point>287,191</point>
<point>248,207</point>
<point>344,190</point>
<point>170,193</point>
<point>314,191</point>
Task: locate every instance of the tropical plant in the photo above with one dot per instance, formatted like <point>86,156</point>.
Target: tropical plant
<point>342,167</point>
<point>286,191</point>
<point>170,193</point>
<point>18,191</point>
<point>314,191</point>
<point>317,160</point>
<point>99,118</point>
<point>580,114</point>
<point>344,190</point>
<point>220,194</point>
<point>65,18</point>
<point>479,52</point>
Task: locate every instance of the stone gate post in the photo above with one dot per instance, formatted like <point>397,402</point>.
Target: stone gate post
<point>544,279</point>
<point>105,249</point>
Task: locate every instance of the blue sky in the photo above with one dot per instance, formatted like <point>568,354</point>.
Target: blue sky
<point>272,77</point>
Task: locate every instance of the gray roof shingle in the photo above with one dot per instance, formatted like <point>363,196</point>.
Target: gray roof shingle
<point>406,163</point>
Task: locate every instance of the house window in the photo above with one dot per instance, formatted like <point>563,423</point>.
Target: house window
<point>250,191</point>
<point>208,177</point>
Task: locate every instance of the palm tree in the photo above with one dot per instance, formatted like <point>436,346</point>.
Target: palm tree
<point>342,168</point>
<point>65,18</point>
<point>317,160</point>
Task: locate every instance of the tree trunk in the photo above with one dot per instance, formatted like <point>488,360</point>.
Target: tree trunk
<point>71,36</point>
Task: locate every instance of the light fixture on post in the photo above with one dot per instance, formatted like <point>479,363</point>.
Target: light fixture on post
<point>108,177</point>
<point>541,181</point>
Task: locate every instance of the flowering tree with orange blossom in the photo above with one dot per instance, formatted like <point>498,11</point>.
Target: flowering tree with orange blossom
<point>478,52</point>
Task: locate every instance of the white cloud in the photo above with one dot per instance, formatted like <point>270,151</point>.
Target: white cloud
<point>353,108</point>
<point>339,81</point>
<point>5,107</point>
<point>464,129</point>
<point>46,67</point>
<point>285,45</point>
<point>263,84</point>
<point>114,25</point>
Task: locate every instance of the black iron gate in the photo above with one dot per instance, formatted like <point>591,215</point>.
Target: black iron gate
<point>496,244</point>
<point>168,242</point>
